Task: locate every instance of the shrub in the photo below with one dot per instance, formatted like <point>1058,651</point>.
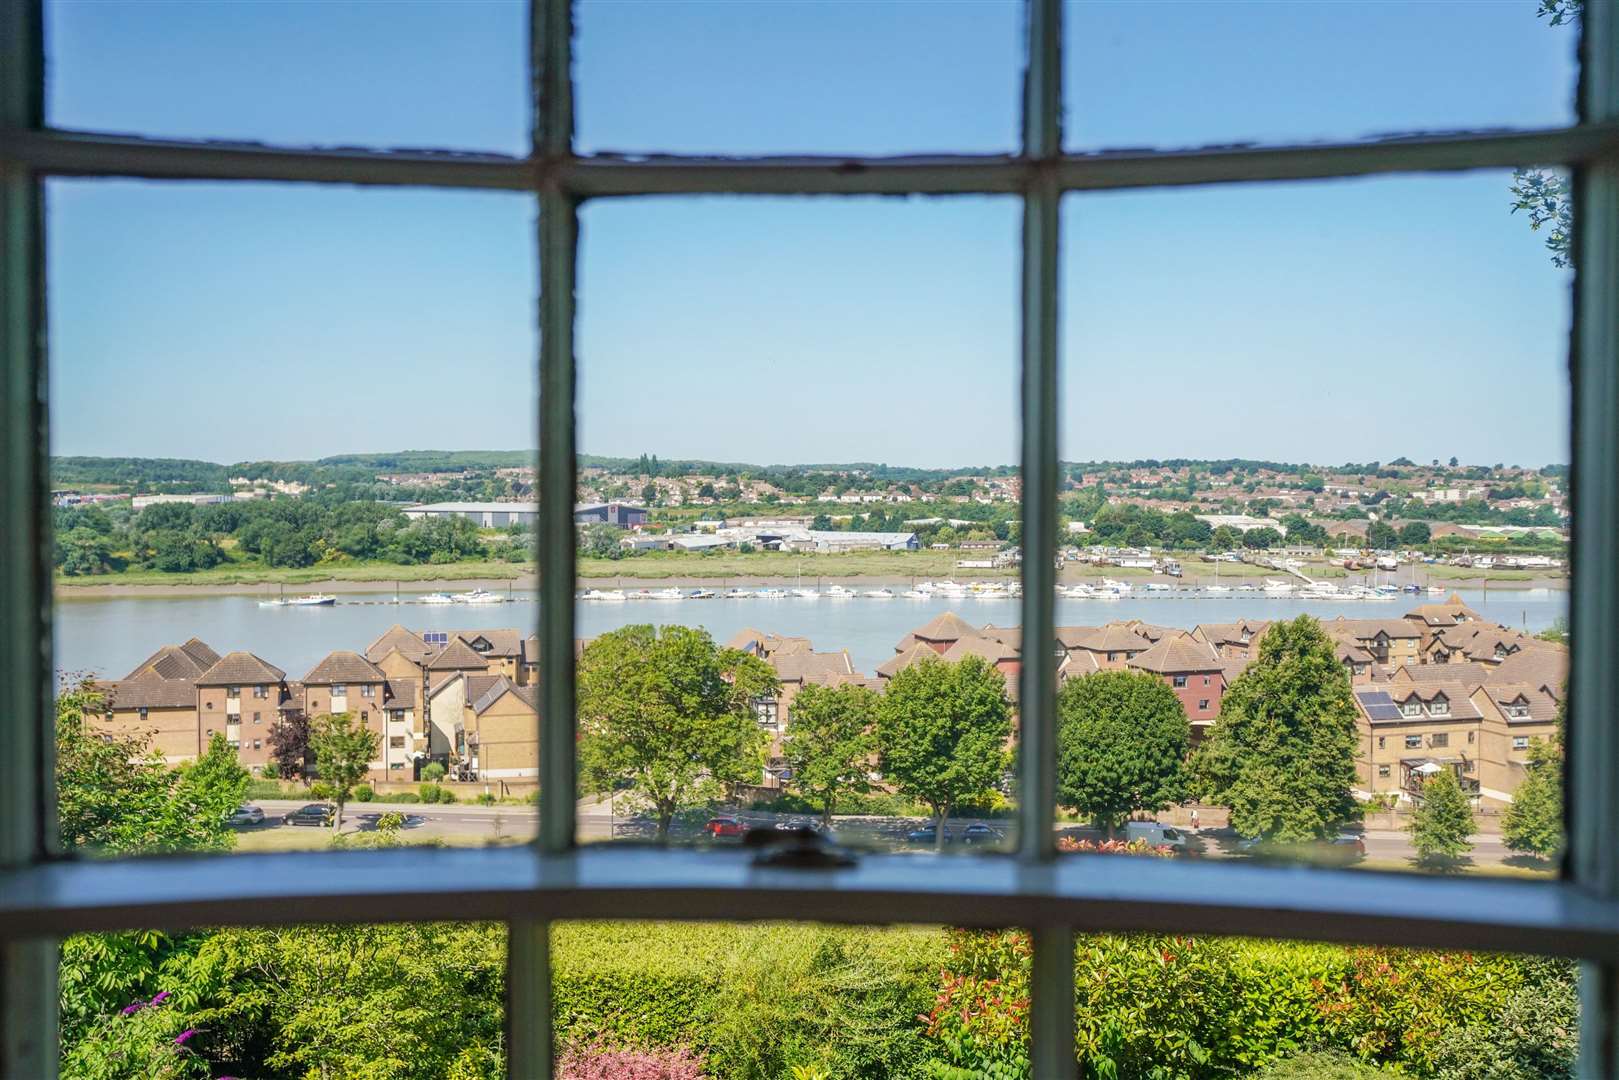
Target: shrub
<point>486,799</point>
<point>433,772</point>
<point>1535,1035</point>
<point>595,1061</point>
<point>362,793</point>
<point>270,772</point>
<point>1328,1065</point>
<point>320,789</point>
<point>435,793</point>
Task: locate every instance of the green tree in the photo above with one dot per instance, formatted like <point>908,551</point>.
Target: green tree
<point>831,739</point>
<point>670,715</point>
<point>942,730</point>
<point>344,749</point>
<point>1225,538</point>
<point>1443,821</point>
<point>1122,738</point>
<point>1534,821</point>
<point>1261,538</point>
<point>1281,754</point>
<point>1380,536</point>
<point>1415,534</point>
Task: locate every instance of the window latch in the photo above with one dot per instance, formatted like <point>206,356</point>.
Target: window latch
<point>802,848</point>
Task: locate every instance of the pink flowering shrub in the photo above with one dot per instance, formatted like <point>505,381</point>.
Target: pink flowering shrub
<point>596,1061</point>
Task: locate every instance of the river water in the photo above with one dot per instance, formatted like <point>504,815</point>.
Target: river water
<point>108,637</point>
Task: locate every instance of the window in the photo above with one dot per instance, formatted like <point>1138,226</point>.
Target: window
<point>368,690</point>
<point>1205,680</point>
<point>1439,707</point>
<point>1413,742</point>
<point>1470,739</point>
<point>766,709</point>
<point>397,742</point>
<point>232,692</point>
<point>1520,742</point>
<point>1578,920</point>
<point>1439,739</point>
<point>1412,708</point>
<point>1203,704</point>
<point>1383,771</point>
<point>258,744</point>
<point>1179,681</point>
<point>1381,740</point>
<point>338,690</point>
<point>261,692</point>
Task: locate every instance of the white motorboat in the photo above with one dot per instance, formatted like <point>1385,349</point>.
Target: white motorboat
<point>436,598</point>
<point>991,592</point>
<point>272,603</point>
<point>807,594</point>
<point>1157,587</point>
<point>1219,588</point>
<point>608,596</point>
<point>700,594</point>
<point>1278,588</point>
<point>313,600</point>
<point>880,594</point>
<point>638,594</point>
<point>771,594</point>
<point>838,592</point>
<point>1120,587</point>
<point>951,589</point>
<point>916,594</point>
<point>668,594</point>
<point>479,596</point>
<point>1435,590</point>
<point>1247,588</point>
<point>740,594</point>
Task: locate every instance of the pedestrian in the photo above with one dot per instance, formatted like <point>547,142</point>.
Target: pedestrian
<point>1194,819</point>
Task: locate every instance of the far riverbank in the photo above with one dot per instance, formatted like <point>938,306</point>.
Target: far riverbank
<point>525,581</point>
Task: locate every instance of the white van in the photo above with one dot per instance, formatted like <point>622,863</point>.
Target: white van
<point>1155,835</point>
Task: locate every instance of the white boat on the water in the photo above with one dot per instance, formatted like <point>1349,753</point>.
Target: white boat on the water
<point>313,600</point>
<point>700,594</point>
<point>916,594</point>
<point>436,598</point>
<point>1157,587</point>
<point>1120,587</point>
<point>1434,590</point>
<point>740,594</point>
<point>668,594</point>
<point>951,589</point>
<point>1218,588</point>
<point>880,594</point>
<point>1278,588</point>
<point>272,603</point>
<point>1247,588</point>
<point>807,594</point>
<point>771,594</point>
<point>838,592</point>
<point>479,596</point>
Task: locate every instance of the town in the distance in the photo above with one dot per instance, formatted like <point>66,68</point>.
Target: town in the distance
<point>1436,685</point>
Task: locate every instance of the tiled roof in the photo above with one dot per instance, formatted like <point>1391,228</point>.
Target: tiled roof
<point>1231,633</point>
<point>1540,665</point>
<point>200,651</point>
<point>799,666</point>
<point>293,700</point>
<point>992,651</point>
<point>1174,655</point>
<point>399,694</point>
<point>1469,675</point>
<point>900,661</point>
<point>1461,706</point>
<point>1370,628</point>
<point>344,667</point>
<point>457,656</point>
<point>149,691</point>
<point>410,645</point>
<point>241,669</point>
<point>745,638</point>
<point>1542,706</point>
<point>502,641</point>
<point>946,627</point>
<point>1114,637</point>
<point>1077,663</point>
<point>177,661</point>
<point>479,685</point>
<point>1010,636</point>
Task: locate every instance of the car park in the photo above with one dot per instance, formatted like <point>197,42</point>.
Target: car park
<point>312,814</point>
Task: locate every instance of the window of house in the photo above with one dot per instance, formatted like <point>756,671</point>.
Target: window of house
<point>1411,708</point>
<point>258,744</point>
<point>1383,771</point>
<point>261,692</point>
<point>1439,707</point>
<point>1179,681</point>
<point>1381,740</point>
<point>368,690</point>
<point>396,741</point>
<point>1413,742</point>
<point>233,692</point>
<point>1439,739</point>
<point>1470,737</point>
<point>1203,703</point>
<point>338,690</point>
<point>530,891</point>
<point>1520,742</point>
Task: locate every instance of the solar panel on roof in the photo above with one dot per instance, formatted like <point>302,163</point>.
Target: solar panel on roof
<point>1378,705</point>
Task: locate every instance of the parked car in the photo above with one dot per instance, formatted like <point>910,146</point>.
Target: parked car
<point>244,815</point>
<point>925,835</point>
<point>1155,835</point>
<point>725,826</point>
<point>313,814</point>
<point>979,833</point>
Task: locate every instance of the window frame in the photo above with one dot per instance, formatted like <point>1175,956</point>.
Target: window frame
<point>43,896</point>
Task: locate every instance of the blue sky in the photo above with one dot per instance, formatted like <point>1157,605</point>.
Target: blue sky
<point>1329,321</point>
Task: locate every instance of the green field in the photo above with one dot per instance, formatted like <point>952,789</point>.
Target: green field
<point>380,572</point>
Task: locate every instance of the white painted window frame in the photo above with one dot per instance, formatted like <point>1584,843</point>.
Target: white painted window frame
<point>44,896</point>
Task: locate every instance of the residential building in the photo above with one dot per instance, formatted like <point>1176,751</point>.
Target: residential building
<point>1193,669</point>
<point>346,682</point>
<point>243,693</point>
<point>1410,731</point>
<point>502,726</point>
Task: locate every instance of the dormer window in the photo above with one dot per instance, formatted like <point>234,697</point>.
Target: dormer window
<point>1440,706</point>
<point>1412,708</point>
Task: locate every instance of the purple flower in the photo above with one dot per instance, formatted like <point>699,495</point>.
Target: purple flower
<point>180,1039</point>
<point>159,998</point>
<point>130,1010</point>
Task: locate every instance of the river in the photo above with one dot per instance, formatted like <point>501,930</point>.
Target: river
<point>108,637</point>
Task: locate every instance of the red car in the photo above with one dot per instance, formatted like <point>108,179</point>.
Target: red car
<point>724,826</point>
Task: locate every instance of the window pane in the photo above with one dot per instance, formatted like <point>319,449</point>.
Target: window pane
<point>431,73</point>
<point>1345,403</point>
<point>293,470</point>
<point>698,76</point>
<point>799,428</point>
<point>1183,75</point>
<point>295,1001</point>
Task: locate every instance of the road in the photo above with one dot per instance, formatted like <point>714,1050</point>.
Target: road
<point>470,824</point>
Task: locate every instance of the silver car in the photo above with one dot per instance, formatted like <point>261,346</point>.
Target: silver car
<point>244,815</point>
